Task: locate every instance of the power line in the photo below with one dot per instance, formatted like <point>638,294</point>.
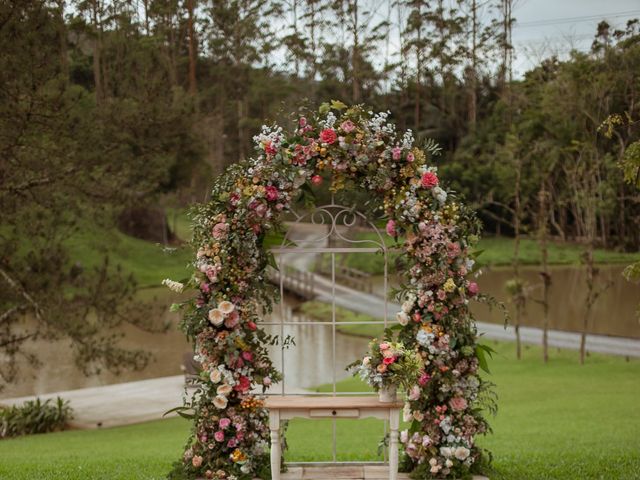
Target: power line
<point>583,18</point>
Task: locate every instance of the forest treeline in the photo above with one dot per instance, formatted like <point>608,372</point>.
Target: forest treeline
<point>163,94</point>
<point>111,111</point>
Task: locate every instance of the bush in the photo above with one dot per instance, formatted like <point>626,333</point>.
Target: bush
<point>35,416</point>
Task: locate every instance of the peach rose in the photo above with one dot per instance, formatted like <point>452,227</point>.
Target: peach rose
<point>226,307</point>
<point>216,316</point>
<point>458,404</point>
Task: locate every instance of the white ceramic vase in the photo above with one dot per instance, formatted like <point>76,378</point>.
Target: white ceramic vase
<point>388,394</point>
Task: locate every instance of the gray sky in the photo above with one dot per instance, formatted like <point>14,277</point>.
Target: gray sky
<point>544,27</point>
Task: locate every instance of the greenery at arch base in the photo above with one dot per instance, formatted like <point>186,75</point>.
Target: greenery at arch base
<point>351,148</point>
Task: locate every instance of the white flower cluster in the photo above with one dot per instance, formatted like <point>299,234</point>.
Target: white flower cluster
<point>173,286</point>
<point>407,140</point>
<point>269,134</point>
<point>378,124</point>
<point>425,338</point>
<point>330,121</point>
<point>403,316</point>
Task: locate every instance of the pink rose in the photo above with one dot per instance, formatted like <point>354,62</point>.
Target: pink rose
<point>328,136</point>
<point>391,228</point>
<point>423,379</point>
<point>232,443</point>
<point>219,436</point>
<point>248,356</point>
<point>220,230</point>
<point>396,153</point>
<point>388,360</point>
<point>232,320</point>
<point>429,180</point>
<point>473,288</point>
<point>243,384</point>
<point>251,325</point>
<point>224,423</point>
<point>410,157</point>
<point>348,126</point>
<point>261,210</point>
<point>458,404</point>
<point>302,122</point>
<point>270,149</point>
<point>414,393</point>
<point>196,461</point>
<point>205,287</point>
<point>316,179</point>
<point>271,193</point>
<point>384,346</point>
<point>266,381</point>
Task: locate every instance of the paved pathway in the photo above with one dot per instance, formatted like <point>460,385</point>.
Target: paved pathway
<point>123,403</point>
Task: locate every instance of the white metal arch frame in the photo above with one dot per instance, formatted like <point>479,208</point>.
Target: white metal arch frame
<point>334,216</point>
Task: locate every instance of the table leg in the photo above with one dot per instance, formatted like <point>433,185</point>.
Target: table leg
<point>276,454</point>
<point>394,423</point>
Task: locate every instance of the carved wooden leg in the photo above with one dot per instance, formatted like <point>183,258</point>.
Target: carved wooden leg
<point>394,423</point>
<point>276,454</point>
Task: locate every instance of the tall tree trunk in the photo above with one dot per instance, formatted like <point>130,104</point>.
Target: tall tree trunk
<point>520,299</point>
<point>192,47</point>
<point>543,234</point>
<point>473,87</point>
<point>355,58</point>
<point>97,45</point>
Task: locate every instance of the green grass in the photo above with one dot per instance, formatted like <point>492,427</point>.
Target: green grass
<point>322,312</point>
<point>556,421</point>
<point>498,251</point>
<point>149,262</point>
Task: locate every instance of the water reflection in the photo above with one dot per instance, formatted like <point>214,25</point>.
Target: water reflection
<point>311,361</point>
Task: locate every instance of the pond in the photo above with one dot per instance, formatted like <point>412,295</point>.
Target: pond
<point>614,313</point>
<point>310,361</point>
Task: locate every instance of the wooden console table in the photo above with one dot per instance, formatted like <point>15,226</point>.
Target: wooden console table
<point>288,406</point>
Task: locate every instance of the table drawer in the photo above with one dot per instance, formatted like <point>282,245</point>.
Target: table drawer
<point>334,413</point>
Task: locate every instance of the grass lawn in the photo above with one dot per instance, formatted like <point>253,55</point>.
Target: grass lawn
<point>498,251</point>
<point>556,421</point>
<point>149,262</point>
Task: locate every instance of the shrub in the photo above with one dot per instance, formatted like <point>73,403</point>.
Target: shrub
<point>35,416</point>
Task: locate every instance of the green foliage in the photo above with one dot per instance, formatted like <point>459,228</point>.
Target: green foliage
<point>34,416</point>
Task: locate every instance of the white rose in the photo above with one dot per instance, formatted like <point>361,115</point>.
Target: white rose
<point>448,463</point>
<point>366,361</point>
<point>226,307</point>
<point>220,402</point>
<point>446,452</point>
<point>404,436</point>
<point>461,453</point>
<point>433,462</point>
<point>216,376</point>
<point>224,389</point>
<point>216,316</point>
<point>407,306</point>
<point>407,414</point>
<point>402,318</point>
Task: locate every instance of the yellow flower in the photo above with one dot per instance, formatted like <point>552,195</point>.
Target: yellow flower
<point>449,286</point>
<point>238,456</point>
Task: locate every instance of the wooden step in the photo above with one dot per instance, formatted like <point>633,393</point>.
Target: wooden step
<point>345,472</point>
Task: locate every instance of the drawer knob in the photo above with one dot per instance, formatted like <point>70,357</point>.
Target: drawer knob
<point>333,413</point>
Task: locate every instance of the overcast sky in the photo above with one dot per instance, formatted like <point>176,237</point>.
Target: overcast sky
<point>547,26</point>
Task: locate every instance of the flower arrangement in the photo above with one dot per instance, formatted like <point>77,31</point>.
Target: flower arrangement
<point>388,365</point>
<point>352,148</point>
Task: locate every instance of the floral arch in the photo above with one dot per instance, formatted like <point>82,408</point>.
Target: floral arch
<point>355,148</point>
